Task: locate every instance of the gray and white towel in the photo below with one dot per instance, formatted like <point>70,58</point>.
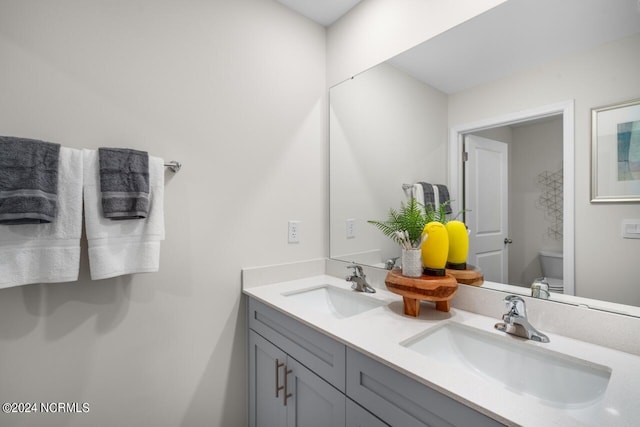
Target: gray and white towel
<point>429,195</point>
<point>47,253</point>
<point>443,197</point>
<point>124,183</point>
<point>435,195</point>
<point>28,181</point>
<point>117,248</point>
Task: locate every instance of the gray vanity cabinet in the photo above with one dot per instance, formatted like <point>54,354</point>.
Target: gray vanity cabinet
<point>330,385</point>
<point>285,353</point>
<point>321,354</point>
<point>285,393</point>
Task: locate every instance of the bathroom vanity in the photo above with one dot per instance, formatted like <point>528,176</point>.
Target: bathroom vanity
<point>299,376</point>
<point>323,354</point>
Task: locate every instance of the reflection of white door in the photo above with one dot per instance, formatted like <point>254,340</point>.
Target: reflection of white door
<point>486,202</point>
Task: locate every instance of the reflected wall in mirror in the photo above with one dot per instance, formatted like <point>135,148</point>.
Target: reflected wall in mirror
<point>386,128</point>
<point>389,126</point>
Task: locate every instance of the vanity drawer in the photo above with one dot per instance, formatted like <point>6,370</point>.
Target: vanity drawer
<point>357,416</point>
<point>321,354</point>
<point>401,401</point>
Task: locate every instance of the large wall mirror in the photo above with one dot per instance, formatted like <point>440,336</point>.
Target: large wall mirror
<point>526,75</point>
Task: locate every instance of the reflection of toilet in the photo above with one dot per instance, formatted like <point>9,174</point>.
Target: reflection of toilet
<point>551,263</point>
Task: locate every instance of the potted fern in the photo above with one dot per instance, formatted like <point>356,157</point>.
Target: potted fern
<point>405,226</point>
<point>410,218</point>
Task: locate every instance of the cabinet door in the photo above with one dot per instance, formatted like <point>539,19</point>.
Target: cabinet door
<point>313,401</point>
<point>357,416</point>
<point>266,407</point>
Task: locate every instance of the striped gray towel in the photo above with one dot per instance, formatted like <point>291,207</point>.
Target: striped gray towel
<point>124,183</point>
<point>443,197</point>
<point>429,195</point>
<point>28,181</point>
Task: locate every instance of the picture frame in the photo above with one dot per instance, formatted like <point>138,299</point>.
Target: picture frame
<point>615,153</point>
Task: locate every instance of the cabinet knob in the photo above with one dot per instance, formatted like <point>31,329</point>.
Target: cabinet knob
<point>507,241</point>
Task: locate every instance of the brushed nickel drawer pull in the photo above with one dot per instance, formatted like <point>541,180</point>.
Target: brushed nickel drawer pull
<point>278,386</point>
<point>286,395</point>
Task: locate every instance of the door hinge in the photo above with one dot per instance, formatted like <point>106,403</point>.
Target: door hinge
<point>465,156</point>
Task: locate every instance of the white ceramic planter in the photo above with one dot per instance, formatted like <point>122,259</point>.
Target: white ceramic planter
<point>412,262</point>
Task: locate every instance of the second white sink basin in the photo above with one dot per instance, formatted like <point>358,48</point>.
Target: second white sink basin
<point>554,378</point>
<point>339,303</point>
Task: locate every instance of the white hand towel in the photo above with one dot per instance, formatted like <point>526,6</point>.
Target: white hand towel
<point>127,246</point>
<point>418,193</point>
<point>47,253</point>
<point>436,197</point>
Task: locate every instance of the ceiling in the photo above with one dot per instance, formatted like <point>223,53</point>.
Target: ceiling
<point>324,12</point>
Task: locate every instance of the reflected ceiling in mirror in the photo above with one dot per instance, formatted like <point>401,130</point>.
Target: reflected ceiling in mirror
<point>516,36</point>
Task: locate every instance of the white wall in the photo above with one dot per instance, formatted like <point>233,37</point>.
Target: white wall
<point>236,91</point>
<point>605,263</point>
<point>377,30</point>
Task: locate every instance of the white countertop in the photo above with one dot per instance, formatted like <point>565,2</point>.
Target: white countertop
<point>379,332</point>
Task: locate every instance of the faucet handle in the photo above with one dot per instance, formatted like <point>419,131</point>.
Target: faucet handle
<point>540,288</point>
<point>357,270</point>
<point>515,305</point>
<point>390,263</point>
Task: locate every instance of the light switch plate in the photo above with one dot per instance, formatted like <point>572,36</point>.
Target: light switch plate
<point>631,229</point>
<point>351,228</point>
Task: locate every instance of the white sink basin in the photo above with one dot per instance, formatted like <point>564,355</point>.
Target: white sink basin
<point>337,302</point>
<point>554,378</point>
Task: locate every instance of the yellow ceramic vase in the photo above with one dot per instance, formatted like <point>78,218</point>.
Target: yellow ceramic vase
<point>435,248</point>
<point>458,245</point>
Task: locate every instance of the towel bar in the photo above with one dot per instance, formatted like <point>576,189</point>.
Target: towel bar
<point>173,166</point>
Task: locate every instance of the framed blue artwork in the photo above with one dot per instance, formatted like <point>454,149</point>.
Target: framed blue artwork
<point>615,155</point>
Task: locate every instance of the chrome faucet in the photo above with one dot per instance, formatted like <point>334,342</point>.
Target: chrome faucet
<point>540,288</point>
<point>516,322</point>
<point>359,280</point>
<point>390,263</point>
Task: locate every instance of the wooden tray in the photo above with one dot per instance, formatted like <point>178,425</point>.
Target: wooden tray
<point>424,288</point>
<point>471,276</point>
